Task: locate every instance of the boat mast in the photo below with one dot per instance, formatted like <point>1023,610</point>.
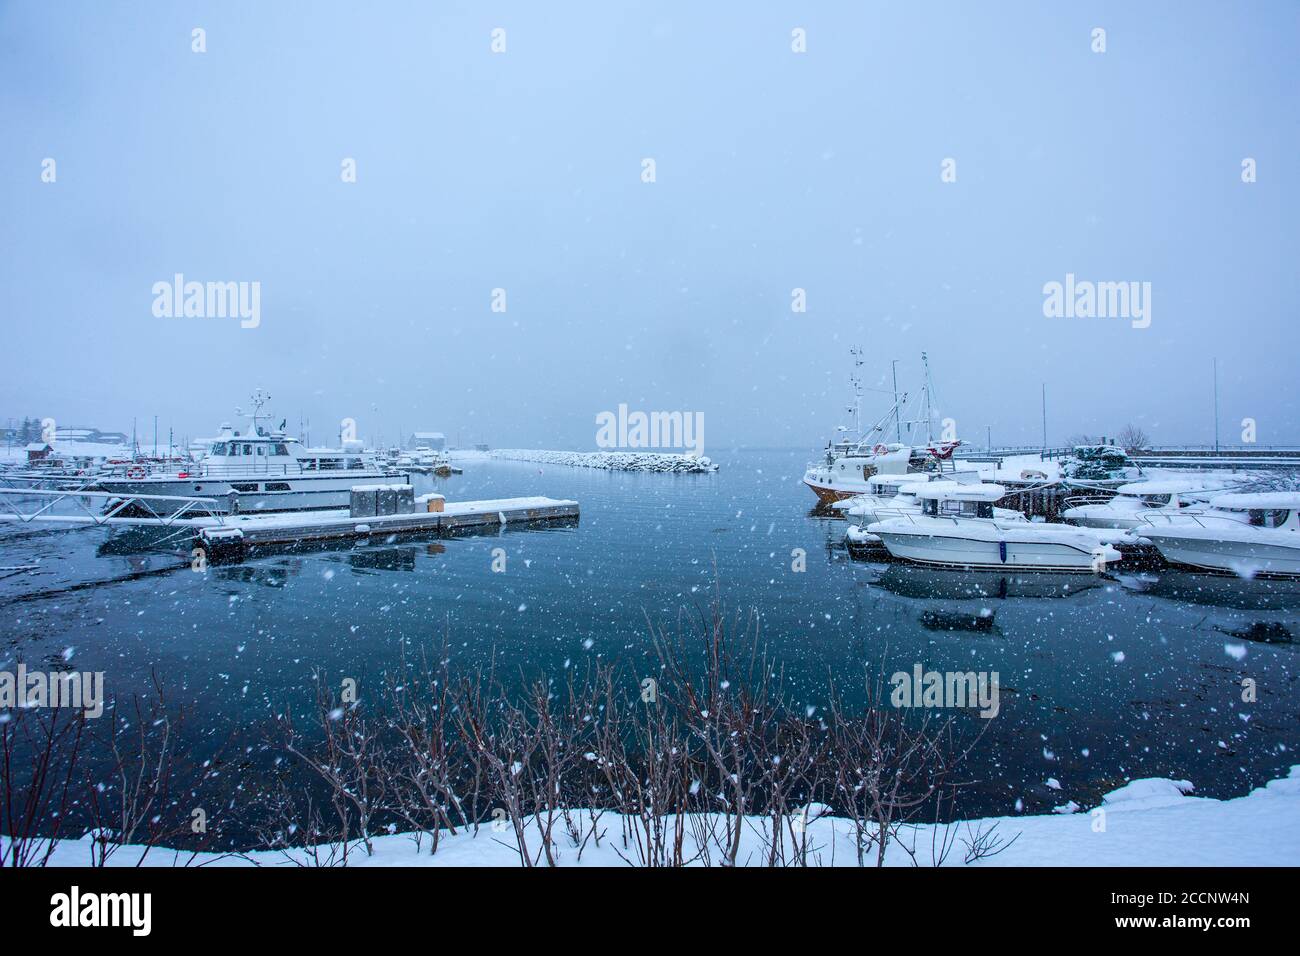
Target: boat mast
<point>1215,370</point>
<point>855,379</point>
<point>925,395</point>
<point>1044,418</point>
<point>259,398</point>
<point>898,418</point>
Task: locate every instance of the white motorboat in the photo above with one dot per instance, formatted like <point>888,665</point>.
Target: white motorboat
<point>886,491</point>
<point>258,470</point>
<point>895,495</point>
<point>957,528</point>
<point>1134,502</point>
<point>1246,533</point>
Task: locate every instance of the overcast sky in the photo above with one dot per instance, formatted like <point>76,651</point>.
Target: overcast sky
<point>774,170</point>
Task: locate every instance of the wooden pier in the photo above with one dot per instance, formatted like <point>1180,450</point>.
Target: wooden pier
<point>231,539</point>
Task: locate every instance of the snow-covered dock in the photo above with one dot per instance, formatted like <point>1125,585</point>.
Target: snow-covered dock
<point>229,538</point>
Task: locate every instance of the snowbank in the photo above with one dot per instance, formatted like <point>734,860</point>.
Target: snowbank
<point>1018,468</point>
<point>1148,822</point>
<point>612,460</point>
<point>467,454</point>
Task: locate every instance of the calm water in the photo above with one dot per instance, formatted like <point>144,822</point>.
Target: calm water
<point>1103,679</point>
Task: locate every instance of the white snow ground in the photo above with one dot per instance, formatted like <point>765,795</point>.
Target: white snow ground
<point>1148,822</point>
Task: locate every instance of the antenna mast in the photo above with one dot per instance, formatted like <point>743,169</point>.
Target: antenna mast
<point>855,379</point>
<point>259,398</point>
<point>898,419</point>
<point>929,434</point>
<point>1215,368</point>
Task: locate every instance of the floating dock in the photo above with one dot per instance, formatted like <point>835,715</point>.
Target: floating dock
<point>234,535</point>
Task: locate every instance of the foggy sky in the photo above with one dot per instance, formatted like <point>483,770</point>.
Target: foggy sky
<point>775,170</point>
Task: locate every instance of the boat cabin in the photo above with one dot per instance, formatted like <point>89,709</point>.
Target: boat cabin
<point>1270,509</point>
<point>949,499</point>
<point>890,486</point>
<point>1165,494</point>
<point>275,452</point>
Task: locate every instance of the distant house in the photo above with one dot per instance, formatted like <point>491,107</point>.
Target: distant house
<point>92,436</point>
<point>435,441</point>
<point>38,451</point>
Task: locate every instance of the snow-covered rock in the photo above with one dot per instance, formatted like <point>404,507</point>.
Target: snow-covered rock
<point>612,460</point>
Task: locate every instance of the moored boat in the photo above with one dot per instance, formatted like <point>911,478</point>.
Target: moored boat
<point>896,495</point>
<point>261,469</point>
<point>1246,533</point>
<point>957,528</point>
<point>1134,502</point>
<point>848,465</point>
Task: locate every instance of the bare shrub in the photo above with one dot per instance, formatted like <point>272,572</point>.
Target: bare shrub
<point>1132,439</point>
<point>146,798</point>
<point>38,763</point>
<point>121,777</point>
<point>706,760</point>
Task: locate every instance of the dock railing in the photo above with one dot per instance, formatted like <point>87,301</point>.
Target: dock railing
<point>160,510</point>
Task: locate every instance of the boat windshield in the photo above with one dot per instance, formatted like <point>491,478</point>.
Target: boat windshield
<point>1268,518</point>
<point>957,509</point>
<point>229,449</point>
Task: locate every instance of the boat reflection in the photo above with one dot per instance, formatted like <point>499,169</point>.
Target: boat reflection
<point>1260,632</point>
<point>382,559</point>
<point>976,622</point>
<point>911,581</point>
<point>1218,590</point>
<point>135,539</point>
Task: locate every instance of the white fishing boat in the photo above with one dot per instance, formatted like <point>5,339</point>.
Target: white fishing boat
<point>260,469</point>
<point>1134,502</point>
<point>848,469</point>
<point>957,528</point>
<point>848,465</point>
<point>1247,534</point>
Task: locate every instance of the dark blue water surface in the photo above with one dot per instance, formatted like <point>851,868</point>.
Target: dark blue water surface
<point>1103,678</point>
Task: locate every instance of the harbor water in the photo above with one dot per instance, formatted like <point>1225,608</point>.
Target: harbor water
<point>1103,678</point>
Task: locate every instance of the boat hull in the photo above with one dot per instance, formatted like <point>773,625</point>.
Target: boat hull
<point>827,495</point>
<point>266,494</point>
<point>1243,558</point>
<point>951,551</point>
